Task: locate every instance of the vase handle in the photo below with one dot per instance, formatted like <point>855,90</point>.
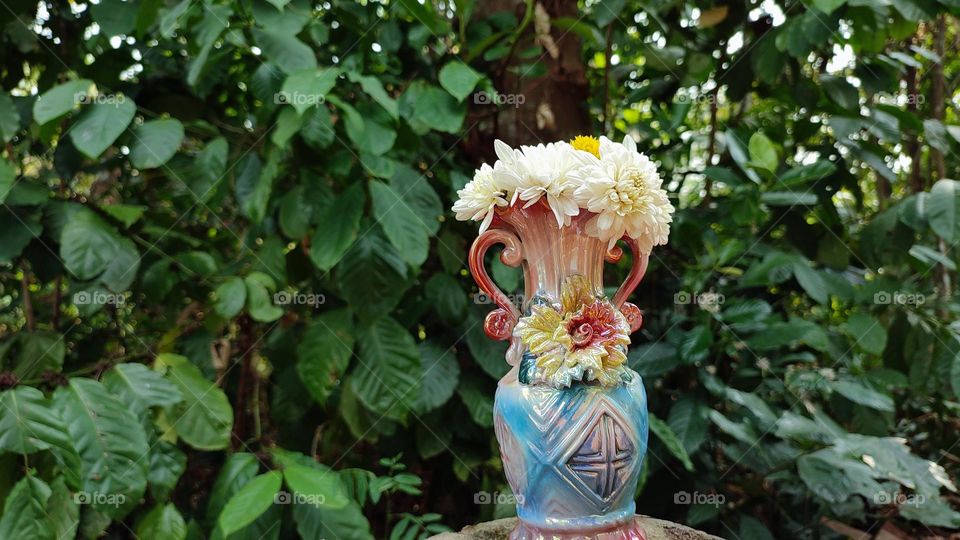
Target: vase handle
<point>499,323</point>
<point>639,268</point>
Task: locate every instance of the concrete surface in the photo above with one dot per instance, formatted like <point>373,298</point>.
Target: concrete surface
<point>656,529</point>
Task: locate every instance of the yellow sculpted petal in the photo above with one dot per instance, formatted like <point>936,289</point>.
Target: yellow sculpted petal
<point>541,330</point>
<point>575,293</point>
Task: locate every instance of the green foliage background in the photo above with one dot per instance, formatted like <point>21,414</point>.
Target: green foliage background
<point>235,303</point>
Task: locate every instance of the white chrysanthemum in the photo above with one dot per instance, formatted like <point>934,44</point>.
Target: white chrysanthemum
<point>479,197</point>
<point>533,172</point>
<point>623,188</point>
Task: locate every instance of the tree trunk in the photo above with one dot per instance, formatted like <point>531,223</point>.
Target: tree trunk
<point>937,92</point>
<point>534,108</point>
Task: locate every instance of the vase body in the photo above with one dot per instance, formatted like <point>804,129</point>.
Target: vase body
<point>572,454</point>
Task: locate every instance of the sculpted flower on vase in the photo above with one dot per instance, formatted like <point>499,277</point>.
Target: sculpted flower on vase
<point>584,338</point>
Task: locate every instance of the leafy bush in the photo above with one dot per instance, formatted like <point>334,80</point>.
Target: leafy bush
<point>235,303</point>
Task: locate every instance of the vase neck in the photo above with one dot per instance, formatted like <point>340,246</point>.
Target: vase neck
<point>553,253</point>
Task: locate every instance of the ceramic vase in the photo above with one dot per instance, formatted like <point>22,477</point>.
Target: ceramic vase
<point>572,450</point>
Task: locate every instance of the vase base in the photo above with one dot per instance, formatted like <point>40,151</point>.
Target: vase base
<point>631,530</point>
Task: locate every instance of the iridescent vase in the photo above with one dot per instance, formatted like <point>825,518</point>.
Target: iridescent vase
<point>572,453</point>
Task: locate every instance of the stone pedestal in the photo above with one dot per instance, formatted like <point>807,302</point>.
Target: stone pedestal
<point>655,529</point>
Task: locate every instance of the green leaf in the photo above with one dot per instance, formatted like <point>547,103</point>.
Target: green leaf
<point>25,511</point>
<point>324,353</point>
<point>943,209</point>
<point>115,17</point>
<point>111,443</point>
<point>317,130</point>
<point>835,478</point>
<point>762,152</point>
<point>372,277</point>
<point>695,345</point>
<point>827,6</point>
<point>367,134</point>
<point>164,521</point>
<point>155,142</point>
<point>40,351</point>
<point>315,486</point>
<point>61,99</point>
<point>254,187</point>
<point>402,226</point>
<point>425,15</point>
<point>841,92</point>
<point>308,88</point>
<point>671,441</point>
<point>283,49</point>
<point>387,372</point>
<point>439,373</point>
<point>867,332</point>
<point>449,300</point>
<point>478,399</point>
<point>427,107</point>
<point>931,257</point>
<point>249,503</point>
<point>259,298</point>
<point>859,393</point>
<point>100,125</point>
<point>29,423</point>
<point>141,387</point>
<point>374,88</point>
<point>87,245</point>
<point>459,79</point>
<point>347,523</point>
<point>231,295</point>
<point>788,198</point>
<point>289,122</point>
<point>204,418</point>
<point>167,464</point>
<point>688,420</point>
<point>62,510</point>
<point>127,214</point>
<point>239,469</point>
<point>803,174</point>
<point>811,281</point>
<point>9,119</point>
<point>337,228</point>
<point>931,511</point>
<point>8,177</point>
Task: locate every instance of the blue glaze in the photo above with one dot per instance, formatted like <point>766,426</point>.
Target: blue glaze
<point>573,455</point>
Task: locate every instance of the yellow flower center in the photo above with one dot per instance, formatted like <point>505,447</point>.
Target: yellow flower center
<point>587,144</point>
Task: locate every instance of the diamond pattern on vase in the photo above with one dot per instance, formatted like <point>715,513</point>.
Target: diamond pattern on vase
<point>604,459</point>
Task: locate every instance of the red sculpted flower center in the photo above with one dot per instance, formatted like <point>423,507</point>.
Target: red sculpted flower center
<point>582,335</point>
